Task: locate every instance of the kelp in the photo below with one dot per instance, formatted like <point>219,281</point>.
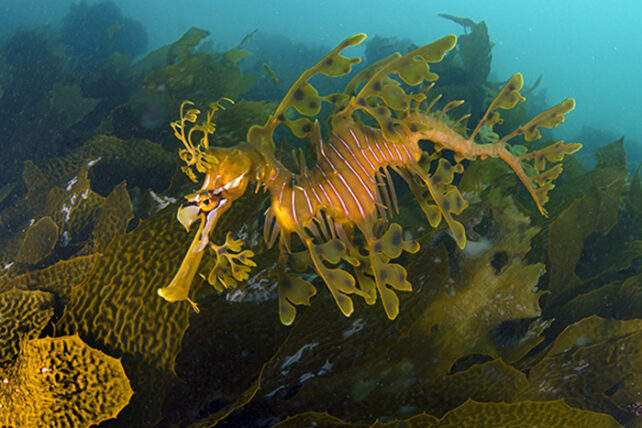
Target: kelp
<point>39,241</point>
<point>62,382</point>
<point>24,315</point>
<point>597,371</point>
<point>112,309</point>
<point>528,413</point>
<point>59,278</point>
<point>449,316</point>
<point>68,102</point>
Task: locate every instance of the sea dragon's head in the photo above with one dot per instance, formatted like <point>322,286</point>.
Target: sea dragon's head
<point>227,174</point>
<point>224,182</point>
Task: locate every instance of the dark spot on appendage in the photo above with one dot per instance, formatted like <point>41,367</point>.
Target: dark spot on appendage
<point>346,70</point>
<point>499,260</point>
<point>347,284</point>
<point>434,328</point>
<point>383,275</point>
<point>362,102</point>
<point>446,206</point>
<point>281,117</point>
<point>298,94</point>
<point>390,127</point>
<point>329,61</point>
<point>376,86</point>
<point>318,250</point>
<point>413,127</point>
<point>458,204</point>
<point>396,238</point>
<point>381,111</point>
<point>446,166</point>
<point>338,246</point>
<point>436,179</point>
<point>313,104</point>
<point>306,128</point>
<point>377,247</point>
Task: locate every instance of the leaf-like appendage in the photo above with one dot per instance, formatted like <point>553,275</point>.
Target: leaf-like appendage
<point>304,98</point>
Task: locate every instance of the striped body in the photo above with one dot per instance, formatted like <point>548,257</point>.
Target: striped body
<point>344,181</point>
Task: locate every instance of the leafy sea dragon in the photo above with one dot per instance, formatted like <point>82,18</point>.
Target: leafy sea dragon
<point>348,192</point>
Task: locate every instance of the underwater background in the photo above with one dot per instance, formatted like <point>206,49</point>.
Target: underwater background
<point>537,321</point>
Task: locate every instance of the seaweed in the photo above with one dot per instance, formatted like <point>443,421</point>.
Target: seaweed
<point>536,321</point>
<point>62,381</point>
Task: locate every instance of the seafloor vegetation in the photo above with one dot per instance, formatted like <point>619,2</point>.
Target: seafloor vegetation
<point>537,320</point>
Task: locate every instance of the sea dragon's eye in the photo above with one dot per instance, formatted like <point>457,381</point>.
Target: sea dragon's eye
<point>207,202</point>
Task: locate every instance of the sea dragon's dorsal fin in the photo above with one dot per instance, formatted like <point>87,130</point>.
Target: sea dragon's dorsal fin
<point>304,98</point>
<point>412,68</point>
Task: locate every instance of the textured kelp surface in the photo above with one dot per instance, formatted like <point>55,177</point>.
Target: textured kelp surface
<point>538,321</point>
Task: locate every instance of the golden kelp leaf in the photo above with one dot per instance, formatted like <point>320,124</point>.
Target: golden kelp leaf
<point>40,239</point>
<point>491,381</point>
<point>116,309</point>
<point>592,330</point>
<point>465,316</point>
<point>443,320</point>
<point>589,203</point>
<point>527,414</point>
<point>73,206</point>
<point>136,160</point>
<point>584,377</point>
<point>184,47</point>
<point>314,419</point>
<point>58,279</point>
<point>68,102</point>
<point>23,315</point>
<point>621,299</point>
<point>111,219</point>
<point>62,382</point>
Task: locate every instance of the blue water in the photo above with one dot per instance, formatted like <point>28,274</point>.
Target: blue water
<point>585,49</point>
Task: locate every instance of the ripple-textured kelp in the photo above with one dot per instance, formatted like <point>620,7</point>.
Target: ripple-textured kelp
<point>61,382</point>
<point>115,309</point>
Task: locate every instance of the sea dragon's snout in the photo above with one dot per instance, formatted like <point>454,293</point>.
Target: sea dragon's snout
<point>192,211</point>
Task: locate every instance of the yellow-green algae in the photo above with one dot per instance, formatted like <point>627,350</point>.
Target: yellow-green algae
<point>39,240</point>
<point>448,316</point>
<point>599,360</point>
<point>524,414</point>
<point>112,219</point>
<point>23,315</point>
<point>58,278</point>
<point>68,102</point>
<point>62,382</point>
<point>115,309</point>
<point>595,210</point>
